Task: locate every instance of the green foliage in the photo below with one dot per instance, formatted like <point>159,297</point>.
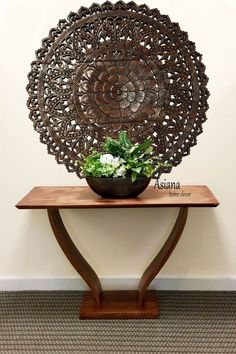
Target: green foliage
<point>92,166</point>
<point>119,157</point>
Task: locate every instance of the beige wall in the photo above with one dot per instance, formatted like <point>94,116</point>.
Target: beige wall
<point>117,242</point>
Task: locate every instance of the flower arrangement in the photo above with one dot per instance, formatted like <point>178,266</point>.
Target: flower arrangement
<point>121,158</point>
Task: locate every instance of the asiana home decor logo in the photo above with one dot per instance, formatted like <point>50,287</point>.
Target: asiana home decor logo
<point>167,185</point>
<point>174,189</point>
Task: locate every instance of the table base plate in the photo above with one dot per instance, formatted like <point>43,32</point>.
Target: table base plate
<point>120,304</point>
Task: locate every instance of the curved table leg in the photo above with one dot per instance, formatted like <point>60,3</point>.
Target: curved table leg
<point>163,255</point>
<point>74,256</point>
<point>116,304</point>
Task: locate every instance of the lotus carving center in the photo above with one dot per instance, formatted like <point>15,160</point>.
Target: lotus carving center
<point>112,90</point>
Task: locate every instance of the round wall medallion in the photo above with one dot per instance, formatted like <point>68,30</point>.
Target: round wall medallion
<point>115,67</point>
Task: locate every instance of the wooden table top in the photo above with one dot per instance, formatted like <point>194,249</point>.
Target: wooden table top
<point>84,198</point>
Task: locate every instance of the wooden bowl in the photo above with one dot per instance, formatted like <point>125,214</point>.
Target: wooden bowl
<point>118,187</point>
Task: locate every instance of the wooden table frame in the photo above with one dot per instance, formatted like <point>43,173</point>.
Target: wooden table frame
<point>116,304</point>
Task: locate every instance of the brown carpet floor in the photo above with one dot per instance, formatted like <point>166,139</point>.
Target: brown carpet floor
<point>48,322</point>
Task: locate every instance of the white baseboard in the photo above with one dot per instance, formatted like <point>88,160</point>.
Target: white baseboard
<point>116,283</point>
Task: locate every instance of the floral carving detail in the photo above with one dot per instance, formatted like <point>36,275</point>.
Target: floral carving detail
<point>117,66</point>
<point>111,91</point>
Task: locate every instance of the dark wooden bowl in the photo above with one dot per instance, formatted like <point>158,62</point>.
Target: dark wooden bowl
<point>118,187</point>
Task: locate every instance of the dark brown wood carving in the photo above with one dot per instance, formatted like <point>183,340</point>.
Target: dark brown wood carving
<point>117,66</point>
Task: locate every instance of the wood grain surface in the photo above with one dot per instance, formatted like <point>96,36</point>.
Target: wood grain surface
<point>84,197</point>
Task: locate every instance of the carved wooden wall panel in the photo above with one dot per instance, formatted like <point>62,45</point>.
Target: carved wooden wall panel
<point>117,66</point>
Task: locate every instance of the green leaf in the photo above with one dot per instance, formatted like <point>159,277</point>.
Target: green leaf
<point>113,147</point>
<point>142,147</point>
<point>145,144</point>
<point>123,138</point>
<point>133,176</point>
<point>137,169</point>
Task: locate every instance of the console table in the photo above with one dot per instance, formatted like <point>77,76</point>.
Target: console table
<point>116,304</point>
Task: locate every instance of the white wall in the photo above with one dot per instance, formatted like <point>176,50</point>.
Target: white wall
<point>117,242</point>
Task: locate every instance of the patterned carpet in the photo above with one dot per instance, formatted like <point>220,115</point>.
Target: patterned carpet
<point>47,322</point>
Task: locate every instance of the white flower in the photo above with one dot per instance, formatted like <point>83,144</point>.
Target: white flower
<point>120,172</point>
<point>106,158</point>
<point>116,161</point>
